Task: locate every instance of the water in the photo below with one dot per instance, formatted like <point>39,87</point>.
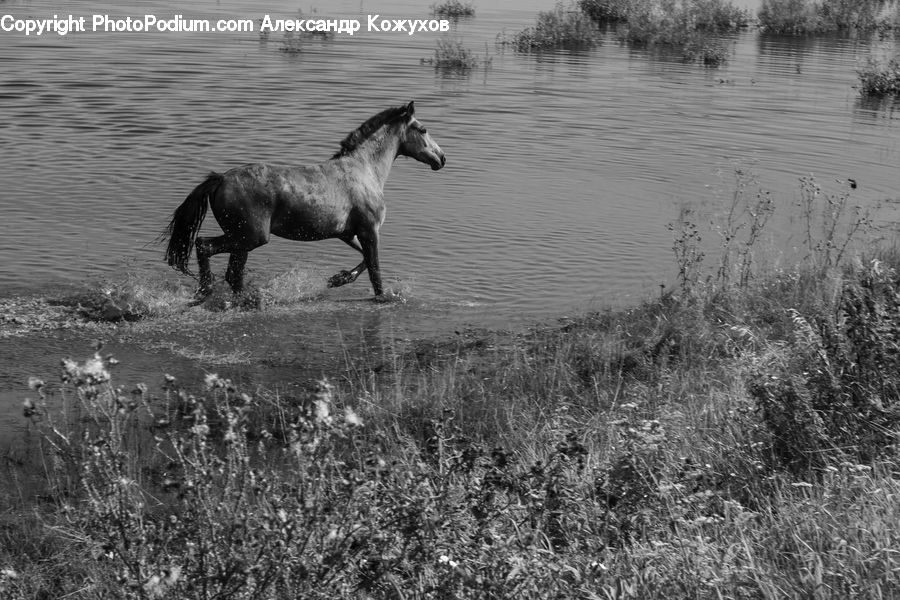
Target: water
<point>563,171</point>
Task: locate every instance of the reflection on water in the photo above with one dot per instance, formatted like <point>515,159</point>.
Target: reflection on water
<point>876,110</point>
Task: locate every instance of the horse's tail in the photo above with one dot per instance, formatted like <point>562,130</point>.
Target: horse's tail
<point>185,224</point>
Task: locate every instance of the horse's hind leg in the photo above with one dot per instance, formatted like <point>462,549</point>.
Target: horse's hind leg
<point>235,273</point>
<point>206,276</point>
<point>207,247</point>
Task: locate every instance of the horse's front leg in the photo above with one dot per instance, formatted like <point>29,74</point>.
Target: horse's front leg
<point>345,277</point>
<point>369,243</point>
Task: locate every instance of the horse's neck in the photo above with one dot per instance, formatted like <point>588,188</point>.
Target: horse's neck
<point>379,152</point>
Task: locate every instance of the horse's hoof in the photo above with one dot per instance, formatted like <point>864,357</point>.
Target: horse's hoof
<point>200,296</point>
<point>342,278</point>
<point>389,297</point>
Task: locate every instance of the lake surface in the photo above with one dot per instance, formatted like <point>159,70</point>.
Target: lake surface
<point>564,168</point>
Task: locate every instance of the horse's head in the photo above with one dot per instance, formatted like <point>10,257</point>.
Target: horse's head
<point>416,143</point>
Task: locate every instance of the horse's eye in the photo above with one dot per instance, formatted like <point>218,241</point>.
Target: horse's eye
<point>423,131</point>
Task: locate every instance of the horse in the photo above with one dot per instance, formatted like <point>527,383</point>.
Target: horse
<point>341,198</point>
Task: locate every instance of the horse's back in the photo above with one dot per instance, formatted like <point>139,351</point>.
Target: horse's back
<point>295,202</point>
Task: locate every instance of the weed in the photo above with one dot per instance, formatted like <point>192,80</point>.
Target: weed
<point>703,49</point>
<point>829,229</point>
<point>824,394</point>
<point>880,76</point>
<point>692,26</point>
<point>562,27</point>
<point>453,9</point>
<point>605,11</point>
<point>811,16</point>
<point>745,219</point>
<point>688,251</point>
<point>452,55</point>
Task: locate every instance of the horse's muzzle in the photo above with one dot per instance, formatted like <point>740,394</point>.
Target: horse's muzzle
<point>437,166</point>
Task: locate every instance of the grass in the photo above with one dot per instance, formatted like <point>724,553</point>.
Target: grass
<point>452,55</point>
<point>565,26</point>
<point>801,17</point>
<point>606,11</point>
<point>734,437</point>
<point>880,76</point>
<point>453,9</point>
<point>693,27</point>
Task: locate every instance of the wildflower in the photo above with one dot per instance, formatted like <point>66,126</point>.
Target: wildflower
<point>8,573</point>
<point>70,369</point>
<point>158,585</point>
<point>351,418</point>
<point>321,411</point>
<point>94,371</point>
<point>446,560</point>
<point>35,383</point>
<point>153,587</point>
<point>213,381</point>
<point>29,408</point>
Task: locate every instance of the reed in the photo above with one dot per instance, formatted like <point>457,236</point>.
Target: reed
<point>453,9</point>
<point>802,17</point>
<point>565,26</point>
<point>693,27</point>
<point>880,76</point>
<point>450,54</point>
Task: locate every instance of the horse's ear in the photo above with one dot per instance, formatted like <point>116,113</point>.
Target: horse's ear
<point>410,108</point>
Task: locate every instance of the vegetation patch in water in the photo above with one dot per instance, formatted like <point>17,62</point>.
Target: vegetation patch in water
<point>880,76</point>
<point>565,26</point>
<point>695,27</point>
<point>453,9</point>
<point>606,11</point>
<point>453,55</point>
<point>813,16</point>
<point>685,15</point>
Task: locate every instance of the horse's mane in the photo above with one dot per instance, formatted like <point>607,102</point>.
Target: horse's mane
<point>369,127</point>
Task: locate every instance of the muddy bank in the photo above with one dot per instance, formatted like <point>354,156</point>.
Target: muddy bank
<point>275,343</point>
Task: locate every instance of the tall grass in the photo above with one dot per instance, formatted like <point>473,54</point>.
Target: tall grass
<point>453,8</point>
<point>880,76</point>
<point>823,16</point>
<point>565,26</point>
<point>692,26</point>
<point>736,437</point>
<point>606,11</point>
<point>450,54</point>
